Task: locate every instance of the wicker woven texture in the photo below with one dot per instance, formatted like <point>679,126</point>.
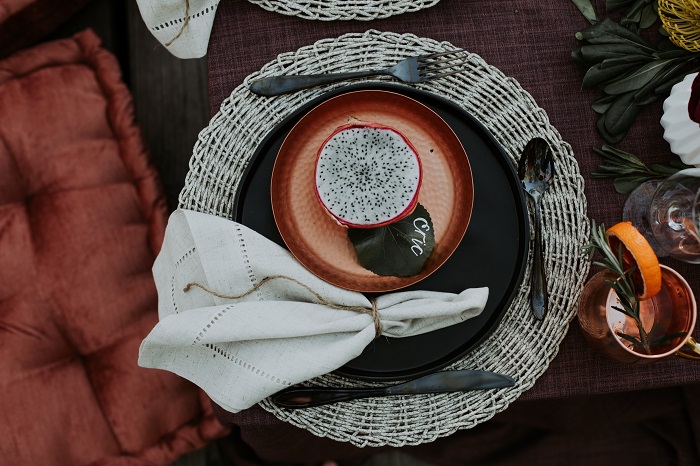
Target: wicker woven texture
<point>520,347</point>
<point>332,10</point>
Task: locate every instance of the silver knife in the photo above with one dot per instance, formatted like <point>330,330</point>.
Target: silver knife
<point>438,382</point>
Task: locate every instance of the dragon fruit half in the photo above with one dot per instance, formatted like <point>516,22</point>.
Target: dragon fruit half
<point>367,175</point>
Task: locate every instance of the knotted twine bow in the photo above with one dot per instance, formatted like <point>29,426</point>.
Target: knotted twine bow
<point>363,310</point>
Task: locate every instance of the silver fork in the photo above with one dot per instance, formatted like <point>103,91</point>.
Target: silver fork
<point>416,69</point>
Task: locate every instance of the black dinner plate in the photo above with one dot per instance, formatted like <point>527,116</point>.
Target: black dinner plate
<point>493,252</point>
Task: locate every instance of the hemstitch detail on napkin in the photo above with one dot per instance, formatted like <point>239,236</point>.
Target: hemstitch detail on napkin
<point>185,257</point>
<point>246,365</point>
<point>174,22</point>
<point>172,293</point>
<point>216,317</point>
<point>246,260</point>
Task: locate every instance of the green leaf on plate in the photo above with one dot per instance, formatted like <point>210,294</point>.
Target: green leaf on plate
<point>399,249</point>
<point>586,8</point>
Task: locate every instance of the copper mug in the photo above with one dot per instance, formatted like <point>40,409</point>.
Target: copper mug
<point>674,309</point>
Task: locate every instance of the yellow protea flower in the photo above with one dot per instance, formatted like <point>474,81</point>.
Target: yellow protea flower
<point>681,19</point>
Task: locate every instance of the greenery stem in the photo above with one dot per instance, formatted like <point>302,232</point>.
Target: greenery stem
<point>643,336</point>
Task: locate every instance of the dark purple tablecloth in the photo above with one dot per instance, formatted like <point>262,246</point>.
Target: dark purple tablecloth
<point>531,41</point>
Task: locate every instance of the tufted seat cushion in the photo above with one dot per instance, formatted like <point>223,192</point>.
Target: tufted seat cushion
<point>82,218</point>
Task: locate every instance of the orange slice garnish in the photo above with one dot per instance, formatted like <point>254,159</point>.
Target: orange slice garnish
<point>636,253</point>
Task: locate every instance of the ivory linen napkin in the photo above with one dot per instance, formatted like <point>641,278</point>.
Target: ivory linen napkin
<point>240,351</point>
<point>182,26</point>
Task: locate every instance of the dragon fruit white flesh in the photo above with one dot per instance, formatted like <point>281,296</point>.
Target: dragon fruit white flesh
<point>367,175</point>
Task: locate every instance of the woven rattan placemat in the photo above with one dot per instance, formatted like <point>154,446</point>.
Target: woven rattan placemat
<point>332,10</point>
<point>521,346</point>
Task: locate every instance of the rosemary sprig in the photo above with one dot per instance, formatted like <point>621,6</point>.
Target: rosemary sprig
<point>625,290</point>
<point>628,171</point>
<point>623,286</point>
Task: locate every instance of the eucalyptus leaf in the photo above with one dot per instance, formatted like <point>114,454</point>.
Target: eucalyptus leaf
<point>627,59</point>
<point>675,76</point>
<point>640,14</point>
<point>597,75</point>
<point>612,152</point>
<point>628,171</point>
<point>608,38</point>
<point>661,84</point>
<point>612,5</point>
<point>596,53</point>
<point>601,105</point>
<point>634,14</point>
<point>614,166</point>
<point>612,138</point>
<point>672,53</point>
<point>577,56</point>
<point>676,163</point>
<point>645,98</point>
<point>399,249</point>
<point>627,184</point>
<point>618,169</point>
<point>664,170</point>
<point>608,32</point>
<point>621,114</point>
<point>636,80</point>
<point>649,17</point>
<point>586,8</point>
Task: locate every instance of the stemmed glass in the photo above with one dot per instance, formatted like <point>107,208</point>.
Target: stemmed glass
<point>668,214</point>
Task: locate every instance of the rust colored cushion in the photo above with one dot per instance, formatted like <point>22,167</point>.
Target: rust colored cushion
<point>22,22</point>
<point>82,218</point>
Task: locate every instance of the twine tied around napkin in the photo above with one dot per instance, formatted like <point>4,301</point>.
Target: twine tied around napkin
<point>253,337</point>
<point>184,24</point>
<point>373,311</point>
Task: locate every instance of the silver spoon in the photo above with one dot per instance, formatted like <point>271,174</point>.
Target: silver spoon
<point>536,171</point>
